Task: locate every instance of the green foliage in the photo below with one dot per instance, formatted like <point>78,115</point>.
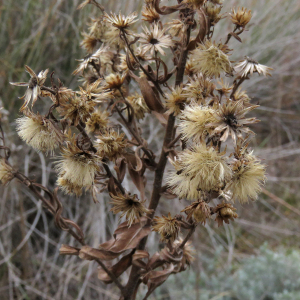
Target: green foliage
<point>271,275</point>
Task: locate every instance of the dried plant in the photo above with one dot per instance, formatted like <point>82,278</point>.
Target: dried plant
<point>127,75</point>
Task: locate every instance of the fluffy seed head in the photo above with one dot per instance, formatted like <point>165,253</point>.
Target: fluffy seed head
<point>199,89</point>
<point>210,60</point>
<point>139,105</point>
<point>39,133</point>
<point>176,101</point>
<point>97,122</point>
<point>76,168</point>
<point>248,177</point>
<point>193,121</point>
<point>69,187</point>
<point>6,172</point>
<point>111,144</point>
<point>197,170</point>
<point>76,109</point>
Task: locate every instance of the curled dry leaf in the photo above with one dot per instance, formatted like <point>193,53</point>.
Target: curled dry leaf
<point>203,29</point>
<point>118,269</point>
<point>139,180</point>
<point>125,238</point>
<point>68,250</point>
<point>120,169</point>
<point>166,10</point>
<point>137,258</point>
<point>149,93</point>
<point>154,279</point>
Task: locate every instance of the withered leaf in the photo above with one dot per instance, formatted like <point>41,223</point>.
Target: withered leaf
<point>68,250</point>
<point>166,10</point>
<point>120,168</point>
<point>118,269</point>
<point>203,29</point>
<point>138,180</point>
<point>236,36</point>
<point>156,278</point>
<point>111,186</point>
<point>150,96</point>
<point>126,238</point>
<point>89,253</point>
<point>137,258</point>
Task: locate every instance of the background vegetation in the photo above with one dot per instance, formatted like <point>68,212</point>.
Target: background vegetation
<point>233,262</point>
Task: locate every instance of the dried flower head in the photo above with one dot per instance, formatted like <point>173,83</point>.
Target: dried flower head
<point>189,69</point>
<point>129,62</point>
<point>240,95</point>
<point>111,144</point>
<point>76,109</point>
<point>193,121</point>
<point>199,88</point>
<point>225,212</point>
<point>176,101</point>
<point>112,36</point>
<point>168,227</point>
<point>129,206</point>
<point>198,211</point>
<point>120,21</point>
<point>213,12</point>
<point>39,132</point>
<point>6,172</point>
<point>250,66</point>
<point>115,81</point>
<point>33,86</point>
<point>139,105</point>
<point>225,88</point>
<point>175,27</point>
<point>150,14</point>
<point>89,42</point>
<point>240,17</point>
<point>248,177</point>
<point>76,168</point>
<point>230,120</point>
<point>94,93</point>
<point>97,122</point>
<point>210,60</point>
<point>198,169</point>
<point>63,94</point>
<point>101,56</point>
<point>154,39</point>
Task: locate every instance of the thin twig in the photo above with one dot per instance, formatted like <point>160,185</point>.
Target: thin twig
<point>111,275</point>
<point>190,233</point>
